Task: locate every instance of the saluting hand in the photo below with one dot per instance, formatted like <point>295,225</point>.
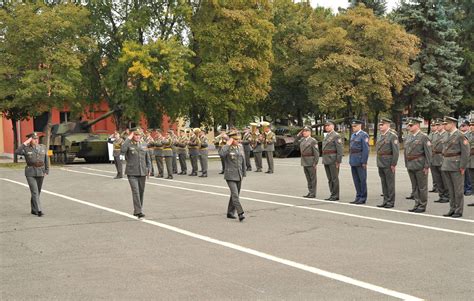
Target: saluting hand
<point>130,136</point>
<point>27,141</point>
<point>229,142</point>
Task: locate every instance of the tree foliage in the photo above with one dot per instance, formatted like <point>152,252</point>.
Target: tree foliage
<point>378,6</point>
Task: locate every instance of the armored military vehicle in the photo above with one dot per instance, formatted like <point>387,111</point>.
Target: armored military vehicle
<point>70,140</point>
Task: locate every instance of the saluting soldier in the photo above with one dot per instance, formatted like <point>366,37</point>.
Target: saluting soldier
<point>387,158</point>
<point>168,153</point>
<point>235,171</point>
<point>219,142</point>
<point>269,140</point>
<point>117,141</point>
<point>470,137</point>
<point>158,145</point>
<point>455,162</point>
<point>182,152</point>
<point>437,145</point>
<point>203,153</point>
<point>193,145</point>
<point>246,139</point>
<point>417,161</point>
<point>37,167</point>
<point>257,147</point>
<point>309,159</point>
<point>359,154</point>
<point>332,152</point>
<point>138,168</point>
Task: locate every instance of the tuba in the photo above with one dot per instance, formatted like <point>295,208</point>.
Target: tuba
<point>254,134</point>
<point>267,137</point>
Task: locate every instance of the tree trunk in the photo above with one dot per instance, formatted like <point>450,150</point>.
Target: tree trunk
<point>299,117</point>
<point>429,126</point>
<point>47,132</point>
<point>15,139</point>
<point>231,116</point>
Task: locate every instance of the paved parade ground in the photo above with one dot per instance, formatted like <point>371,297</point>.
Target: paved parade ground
<point>88,245</point>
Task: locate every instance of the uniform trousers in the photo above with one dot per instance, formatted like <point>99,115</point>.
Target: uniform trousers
<point>269,155</point>
<point>247,158</point>
<point>182,162</point>
<point>258,160</point>
<point>222,163</point>
<point>332,173</point>
<point>359,177</point>
<point>169,165</point>
<point>455,184</point>
<point>234,202</point>
<point>175,162</point>
<point>311,179</point>
<point>419,181</point>
<point>194,163</point>
<point>159,164</point>
<point>387,177</point>
<point>118,165</point>
<point>35,184</point>
<point>152,167</point>
<point>137,184</point>
<point>438,178</point>
<point>203,160</point>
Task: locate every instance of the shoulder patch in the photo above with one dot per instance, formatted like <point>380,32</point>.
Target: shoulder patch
<point>367,140</point>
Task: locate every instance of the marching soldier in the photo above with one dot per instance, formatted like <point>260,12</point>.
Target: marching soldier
<point>138,168</point>
<point>117,141</point>
<point>37,167</point>
<point>158,145</point>
<point>332,152</point>
<point>257,147</point>
<point>417,161</point>
<point>455,162</point>
<point>246,139</point>
<point>194,144</point>
<point>219,142</point>
<point>181,150</point>
<point>235,171</point>
<point>387,157</point>
<point>470,137</point>
<point>269,140</point>
<point>437,160</point>
<point>203,153</point>
<point>168,154</point>
<point>174,147</point>
<point>148,139</point>
<point>359,154</point>
<point>309,159</point>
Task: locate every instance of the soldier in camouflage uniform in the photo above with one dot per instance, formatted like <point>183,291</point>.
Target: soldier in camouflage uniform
<point>148,139</point>
<point>257,147</point>
<point>269,140</point>
<point>138,168</point>
<point>437,144</point>
<point>332,152</point>
<point>387,158</point>
<point>246,138</point>
<point>37,167</point>
<point>181,150</point>
<point>455,162</point>
<point>203,153</point>
<point>158,145</point>
<point>309,159</point>
<point>470,137</point>
<point>174,147</point>
<point>168,154</point>
<point>194,144</point>
<point>117,141</point>
<point>219,141</point>
<point>418,161</point>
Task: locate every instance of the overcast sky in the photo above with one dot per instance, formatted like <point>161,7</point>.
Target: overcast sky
<point>334,4</point>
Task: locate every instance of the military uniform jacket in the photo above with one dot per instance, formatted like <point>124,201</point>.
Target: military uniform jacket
<point>455,152</point>
<point>246,141</point>
<point>417,151</point>
<point>309,151</point>
<point>359,148</point>
<point>36,158</point>
<point>138,158</point>
<point>388,150</point>
<point>269,142</point>
<point>181,144</point>
<point>333,149</point>
<point>158,145</point>
<point>117,143</point>
<point>259,146</point>
<point>167,146</point>
<point>219,141</point>
<point>437,148</point>
<point>470,137</point>
<point>204,145</point>
<point>234,158</point>
<point>194,145</point>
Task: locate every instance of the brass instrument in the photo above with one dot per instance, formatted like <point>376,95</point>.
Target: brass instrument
<point>253,134</point>
<point>268,137</point>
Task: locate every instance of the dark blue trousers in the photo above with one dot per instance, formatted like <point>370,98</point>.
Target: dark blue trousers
<point>359,176</point>
<point>467,182</point>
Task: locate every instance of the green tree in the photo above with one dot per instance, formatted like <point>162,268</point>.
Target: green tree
<point>378,6</point>
<point>436,89</point>
<point>45,47</point>
<point>360,61</point>
<point>232,42</point>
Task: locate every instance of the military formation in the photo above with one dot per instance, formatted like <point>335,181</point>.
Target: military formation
<point>447,152</point>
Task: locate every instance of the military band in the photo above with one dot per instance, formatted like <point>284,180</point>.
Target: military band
<point>194,144</point>
<point>256,143</point>
<point>269,140</point>
<point>168,142</point>
<point>246,139</point>
<point>203,153</point>
<point>181,143</point>
<point>158,146</point>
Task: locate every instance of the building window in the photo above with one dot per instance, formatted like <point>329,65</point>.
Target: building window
<point>64,116</point>
<point>40,121</point>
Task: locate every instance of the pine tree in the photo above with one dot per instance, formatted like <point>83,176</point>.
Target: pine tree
<point>378,6</point>
<point>436,89</point>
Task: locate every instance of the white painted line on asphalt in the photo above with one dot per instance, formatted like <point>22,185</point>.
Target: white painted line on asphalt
<point>296,206</point>
<point>302,198</point>
<point>290,263</point>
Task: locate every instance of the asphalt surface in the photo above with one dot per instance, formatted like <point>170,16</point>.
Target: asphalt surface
<point>88,246</point>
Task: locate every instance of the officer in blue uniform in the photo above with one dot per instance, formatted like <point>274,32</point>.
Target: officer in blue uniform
<point>359,154</point>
